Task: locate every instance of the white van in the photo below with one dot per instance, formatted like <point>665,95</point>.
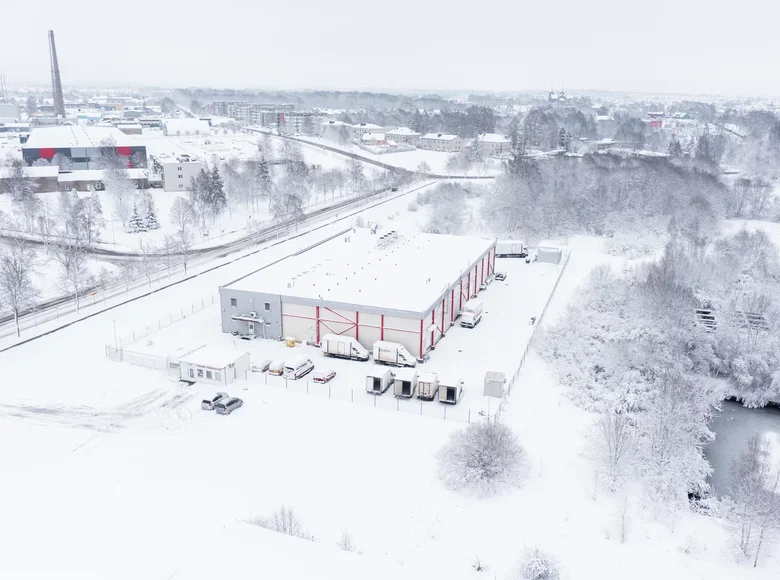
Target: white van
<point>298,367</point>
<point>343,347</point>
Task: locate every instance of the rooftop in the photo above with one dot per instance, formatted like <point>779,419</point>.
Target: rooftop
<point>439,137</point>
<point>367,126</point>
<point>213,357</point>
<point>405,272</point>
<point>402,131</point>
<point>186,126</point>
<point>64,136</point>
<point>98,175</point>
<point>36,172</point>
<point>493,138</point>
<point>373,137</point>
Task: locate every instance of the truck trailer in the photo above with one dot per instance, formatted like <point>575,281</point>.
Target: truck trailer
<point>393,353</point>
<point>511,249</point>
<point>343,347</point>
<point>427,386</point>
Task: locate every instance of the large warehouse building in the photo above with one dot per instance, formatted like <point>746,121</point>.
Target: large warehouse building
<point>81,145</point>
<point>405,288</point>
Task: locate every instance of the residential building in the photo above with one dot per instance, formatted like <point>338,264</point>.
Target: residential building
<point>362,128</point>
<point>177,174</point>
<point>403,135</point>
<point>374,139</point>
<point>440,142</point>
<point>494,144</point>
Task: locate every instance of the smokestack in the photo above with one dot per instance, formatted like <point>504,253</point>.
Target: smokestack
<point>56,83</point>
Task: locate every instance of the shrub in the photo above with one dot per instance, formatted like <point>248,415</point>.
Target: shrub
<point>536,564</point>
<point>482,458</point>
<point>285,521</point>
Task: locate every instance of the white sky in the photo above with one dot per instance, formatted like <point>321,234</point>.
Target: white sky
<point>666,46</point>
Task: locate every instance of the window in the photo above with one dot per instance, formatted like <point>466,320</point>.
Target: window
<point>180,176</point>
<point>268,324</point>
<point>218,375</point>
<point>179,170</point>
<point>200,373</point>
<point>234,302</point>
<point>173,365</point>
<point>181,186</point>
<point>267,306</point>
<point>208,374</point>
<point>192,374</point>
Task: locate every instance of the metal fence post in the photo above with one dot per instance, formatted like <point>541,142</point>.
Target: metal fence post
<point>469,419</point>
<point>352,395</point>
<point>445,412</point>
<point>285,383</point>
<point>375,401</point>
<point>329,390</point>
<point>307,387</point>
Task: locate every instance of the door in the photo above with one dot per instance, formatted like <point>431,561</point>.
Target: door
<point>406,388</point>
<point>251,328</point>
<point>377,384</point>
<point>342,349</point>
<point>451,394</point>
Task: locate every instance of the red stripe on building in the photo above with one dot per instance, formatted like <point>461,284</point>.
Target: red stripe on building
<point>46,153</point>
<point>317,316</point>
<point>125,151</point>
<point>421,337</point>
<point>381,327</point>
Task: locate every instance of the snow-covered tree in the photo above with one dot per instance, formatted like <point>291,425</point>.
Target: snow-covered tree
<point>17,266</point>
<point>150,221</point>
<point>536,564</point>
<point>183,219</point>
<point>217,197</point>
<point>169,249</point>
<point>355,175</point>
<point>284,521</point>
<point>343,135</point>
<point>483,458</point>
<point>564,139</point>
<point>74,277</point>
<point>90,217</point>
<point>62,161</point>
<point>22,189</point>
<point>147,259</point>
<point>200,196</point>
<point>116,179</point>
<point>675,148</point>
<point>613,442</point>
<point>287,204</point>
<point>136,223</point>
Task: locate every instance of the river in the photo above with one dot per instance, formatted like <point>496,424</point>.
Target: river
<point>733,427</point>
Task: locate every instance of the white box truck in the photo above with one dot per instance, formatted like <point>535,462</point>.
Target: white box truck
<point>343,347</point>
<point>511,249</point>
<point>471,313</point>
<point>427,386</point>
<point>393,353</point>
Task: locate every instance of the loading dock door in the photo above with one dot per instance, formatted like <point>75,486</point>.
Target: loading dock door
<point>406,388</point>
<point>451,394</point>
<point>377,384</point>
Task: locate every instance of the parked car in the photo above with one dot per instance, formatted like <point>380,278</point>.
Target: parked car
<point>394,189</point>
<point>276,368</point>
<point>208,404</point>
<point>298,367</point>
<point>500,275</point>
<point>227,406</point>
<point>323,376</point>
<point>262,367</point>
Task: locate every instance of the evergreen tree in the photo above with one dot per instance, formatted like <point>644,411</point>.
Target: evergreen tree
<point>675,148</point>
<point>514,133</point>
<point>263,178</point>
<point>217,197</point>
<point>564,139</point>
<point>477,150</point>
<point>135,224</point>
<point>704,147</point>
<point>150,221</point>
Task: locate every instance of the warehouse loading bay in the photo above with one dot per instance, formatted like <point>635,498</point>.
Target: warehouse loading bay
<point>495,344</point>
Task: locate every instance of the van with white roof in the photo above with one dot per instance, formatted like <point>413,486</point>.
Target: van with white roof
<point>343,347</point>
<point>298,367</point>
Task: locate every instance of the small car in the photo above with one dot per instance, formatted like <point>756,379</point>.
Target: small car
<point>208,404</point>
<point>262,367</point>
<point>394,189</point>
<point>323,376</point>
<point>500,275</point>
<point>276,368</point>
<point>227,406</point>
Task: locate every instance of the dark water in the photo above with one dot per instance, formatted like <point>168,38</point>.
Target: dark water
<point>733,427</point>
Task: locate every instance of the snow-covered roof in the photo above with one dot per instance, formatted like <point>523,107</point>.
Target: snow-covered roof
<point>373,137</point>
<point>184,126</point>
<point>36,172</point>
<point>98,175</point>
<point>439,137</point>
<point>492,138</point>
<point>403,131</point>
<point>64,136</point>
<point>604,118</point>
<point>405,373</point>
<point>332,123</point>
<point>427,378</point>
<point>364,269</point>
<point>213,357</point>
<point>367,126</point>
<point>242,551</point>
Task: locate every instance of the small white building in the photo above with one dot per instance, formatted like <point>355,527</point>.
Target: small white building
<point>494,144</point>
<point>363,128</point>
<point>176,175</point>
<point>403,135</point>
<point>188,126</point>
<point>440,142</point>
<point>213,365</point>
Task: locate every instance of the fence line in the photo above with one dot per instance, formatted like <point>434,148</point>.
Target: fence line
<point>163,322</point>
<point>538,323</point>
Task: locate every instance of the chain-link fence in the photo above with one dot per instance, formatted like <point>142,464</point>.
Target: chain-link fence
<point>538,323</point>
<point>164,322</point>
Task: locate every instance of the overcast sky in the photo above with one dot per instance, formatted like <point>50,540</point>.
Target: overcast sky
<point>683,46</point>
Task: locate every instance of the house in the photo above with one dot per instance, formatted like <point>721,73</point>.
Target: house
<point>216,366</point>
<point>363,128</point>
<point>403,135</point>
<point>374,139</point>
<point>494,144</point>
<point>440,142</point>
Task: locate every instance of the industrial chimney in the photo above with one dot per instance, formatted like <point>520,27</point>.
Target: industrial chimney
<point>56,83</point>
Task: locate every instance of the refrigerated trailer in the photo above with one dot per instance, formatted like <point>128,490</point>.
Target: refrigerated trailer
<point>405,383</point>
<point>427,386</point>
<point>378,380</point>
<point>450,389</point>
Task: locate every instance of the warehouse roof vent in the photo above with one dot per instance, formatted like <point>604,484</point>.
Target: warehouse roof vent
<point>387,239</point>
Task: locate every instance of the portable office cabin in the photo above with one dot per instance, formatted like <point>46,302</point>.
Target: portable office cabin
<point>427,386</point>
<point>215,366</point>
<point>405,382</point>
<point>494,384</point>
<point>549,255</point>
<point>450,389</point>
<point>378,380</point>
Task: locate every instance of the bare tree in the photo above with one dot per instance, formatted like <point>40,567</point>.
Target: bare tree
<point>482,458</point>
<point>17,290</point>
<point>753,502</point>
<point>62,161</point>
<point>127,274</point>
<point>116,179</point>
<point>612,442</point>
<point>536,564</point>
<point>285,521</point>
<point>148,259</point>
<point>346,543</point>
<point>74,277</point>
<point>22,190</point>
<point>169,250</point>
<point>183,218</point>
<point>103,279</point>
